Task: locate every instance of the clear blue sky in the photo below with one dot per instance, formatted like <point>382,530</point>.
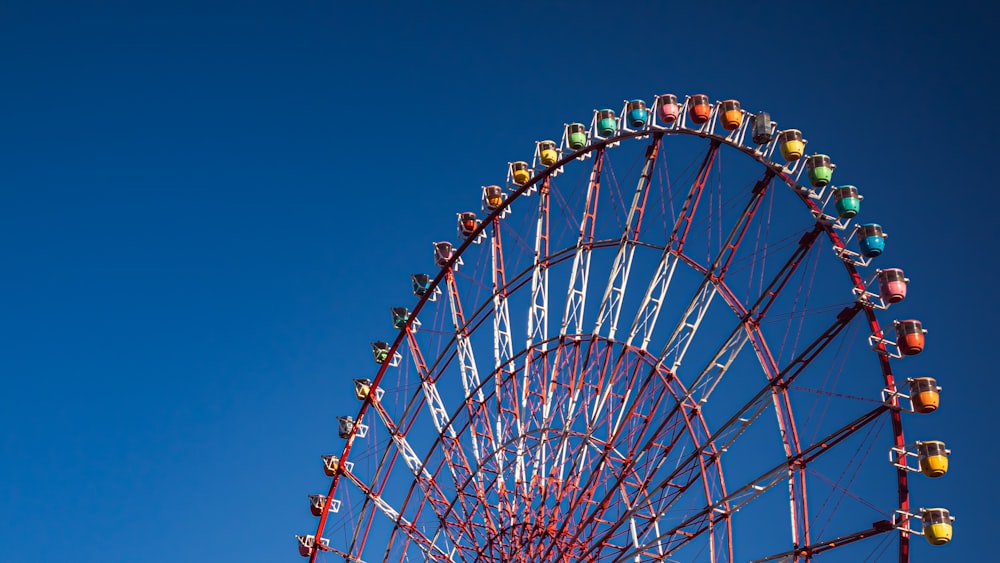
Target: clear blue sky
<point>207,207</point>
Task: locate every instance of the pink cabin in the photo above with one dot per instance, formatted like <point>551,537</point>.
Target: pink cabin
<point>667,109</point>
<point>910,337</point>
<point>892,285</point>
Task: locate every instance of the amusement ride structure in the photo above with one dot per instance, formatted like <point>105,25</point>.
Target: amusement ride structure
<point>663,338</point>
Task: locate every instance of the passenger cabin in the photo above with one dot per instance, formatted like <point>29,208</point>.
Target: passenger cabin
<point>699,110</point>
<point>730,115</point>
<point>576,136</point>
<point>520,172</point>
<point>925,395</point>
<point>607,122</point>
<point>493,197</point>
<point>910,337</point>
<point>331,464</point>
<point>421,284</point>
<point>937,524</point>
<point>761,127</point>
<point>847,201</point>
<point>467,223</point>
<point>871,239</point>
<point>791,144</point>
<point>400,316</point>
<point>819,169</point>
<point>362,388</point>
<point>667,108</point>
<point>345,425</point>
<point>892,285</point>
<point>316,504</point>
<point>380,350</point>
<point>933,457</point>
<point>443,251</point>
<point>636,113</point>
<point>547,153</point>
<point>306,545</point>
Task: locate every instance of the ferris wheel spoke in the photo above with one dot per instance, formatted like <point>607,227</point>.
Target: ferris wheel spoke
<point>614,293</point>
<point>664,437</point>
<point>684,475</point>
<point>690,321</point>
<point>538,326</point>
<point>428,546</point>
<point>576,297</point>
<point>503,352</point>
<point>744,495</point>
<point>826,545</point>
<point>652,302</point>
<point>451,446</point>
<point>474,398</point>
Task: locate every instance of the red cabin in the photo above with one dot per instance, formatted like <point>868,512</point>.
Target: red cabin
<point>699,109</point>
<point>306,545</point>
<point>316,503</point>
<point>892,285</point>
<point>910,337</point>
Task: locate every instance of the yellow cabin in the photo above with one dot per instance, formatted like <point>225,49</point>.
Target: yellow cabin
<point>520,172</point>
<point>792,144</point>
<point>937,525</point>
<point>547,153</point>
<point>362,388</point>
<point>933,458</point>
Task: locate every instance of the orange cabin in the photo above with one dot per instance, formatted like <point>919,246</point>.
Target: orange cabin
<point>493,197</point>
<point>331,464</point>
<point>467,223</point>
<point>699,109</point>
<point>925,395</point>
<point>730,115</point>
<point>910,337</point>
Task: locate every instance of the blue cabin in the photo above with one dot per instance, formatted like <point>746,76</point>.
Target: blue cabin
<point>400,316</point>
<point>637,113</point>
<point>871,239</point>
<point>421,284</point>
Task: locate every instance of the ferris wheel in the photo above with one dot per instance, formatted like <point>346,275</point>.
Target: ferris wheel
<point>665,337</point>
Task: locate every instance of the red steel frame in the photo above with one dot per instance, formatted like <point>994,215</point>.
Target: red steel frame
<point>577,540</point>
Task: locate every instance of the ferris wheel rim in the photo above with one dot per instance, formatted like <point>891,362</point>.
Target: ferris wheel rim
<point>525,190</point>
